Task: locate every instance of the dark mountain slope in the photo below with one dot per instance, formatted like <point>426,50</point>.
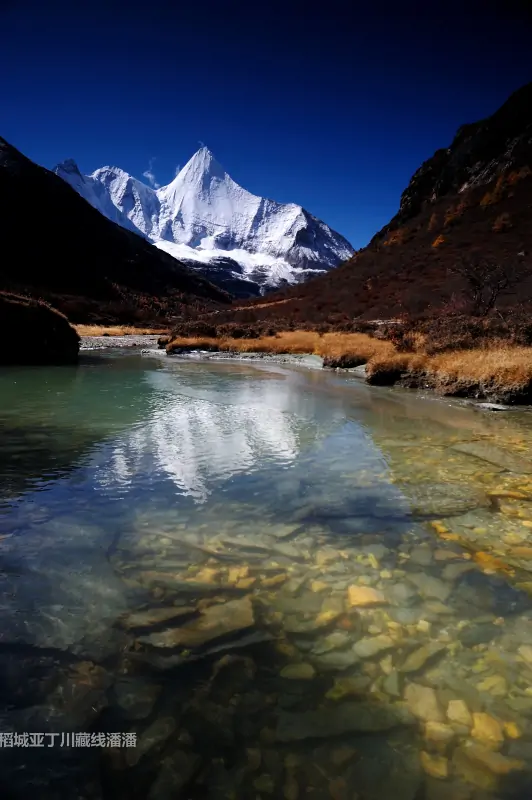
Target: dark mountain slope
<point>56,246</point>
<point>471,199</point>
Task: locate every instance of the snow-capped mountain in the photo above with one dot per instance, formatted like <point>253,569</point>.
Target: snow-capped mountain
<point>203,218</point>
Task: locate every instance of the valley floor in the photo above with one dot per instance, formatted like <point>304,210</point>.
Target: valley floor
<point>497,371</point>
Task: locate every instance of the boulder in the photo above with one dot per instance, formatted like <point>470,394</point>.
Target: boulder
<point>37,332</point>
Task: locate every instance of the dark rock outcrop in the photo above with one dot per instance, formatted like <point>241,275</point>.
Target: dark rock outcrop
<point>480,152</point>
<point>33,332</point>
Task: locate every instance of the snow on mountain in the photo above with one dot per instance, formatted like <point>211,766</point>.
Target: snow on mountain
<point>212,224</point>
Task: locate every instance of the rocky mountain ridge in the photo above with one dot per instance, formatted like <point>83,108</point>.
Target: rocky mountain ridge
<point>245,243</point>
<point>64,251</point>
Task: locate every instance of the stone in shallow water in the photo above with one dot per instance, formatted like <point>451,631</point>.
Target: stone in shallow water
<point>439,732</point>
<point>401,594</point>
<point>457,711</point>
<point>416,660</point>
<point>442,499</point>
<point>487,758</point>
<point>155,734</point>
<point>423,702</point>
<point>335,641</point>
<point>436,766</point>
<point>421,555</point>
<point>355,686</point>
<point>454,571</point>
<point>135,697</point>
<point>430,587</point>
<point>336,660</point>
<point>346,718</point>
<point>370,646</point>
<point>495,455</point>
<point>302,671</point>
<point>487,730</point>
<point>495,685</point>
<point>525,651</point>
<point>215,622</point>
<point>392,684</point>
<point>483,633</point>
<point>155,616</point>
<point>363,596</point>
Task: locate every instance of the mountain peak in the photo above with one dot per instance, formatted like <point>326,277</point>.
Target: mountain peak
<point>68,166</point>
<point>205,217</point>
<point>201,168</point>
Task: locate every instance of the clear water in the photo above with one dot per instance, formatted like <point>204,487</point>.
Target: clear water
<point>281,582</point>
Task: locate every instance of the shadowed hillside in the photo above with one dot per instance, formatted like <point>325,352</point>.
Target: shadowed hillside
<point>59,248</point>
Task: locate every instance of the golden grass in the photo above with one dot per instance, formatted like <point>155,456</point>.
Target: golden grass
<point>501,365</point>
<point>118,330</point>
<point>329,344</point>
<point>494,367</point>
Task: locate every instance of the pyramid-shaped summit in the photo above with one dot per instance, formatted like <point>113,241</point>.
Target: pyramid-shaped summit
<point>203,217</point>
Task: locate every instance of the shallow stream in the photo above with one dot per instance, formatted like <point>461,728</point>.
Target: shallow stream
<point>267,582</point>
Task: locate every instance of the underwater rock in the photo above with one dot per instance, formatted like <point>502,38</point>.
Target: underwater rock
<point>345,718</point>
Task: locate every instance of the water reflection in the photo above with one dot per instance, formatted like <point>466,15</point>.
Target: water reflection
<point>281,583</point>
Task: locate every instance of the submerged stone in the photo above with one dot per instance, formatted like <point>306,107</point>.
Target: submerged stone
<point>215,622</point>
<point>336,721</point>
<point>354,686</point>
<point>136,697</point>
<point>436,766</point>
<point>301,672</point>
<point>157,733</point>
<point>370,646</point>
<point>156,616</point>
<point>335,641</point>
<point>392,684</point>
<point>483,633</point>
<point>495,455</point>
<point>363,596</point>
<point>416,660</point>
<point>487,730</point>
<point>335,660</point>
<point>490,760</point>
<point>430,587</point>
<point>423,702</point>
<point>457,711</point>
<point>442,499</point>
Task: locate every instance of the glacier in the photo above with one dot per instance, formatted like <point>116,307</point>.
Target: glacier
<point>245,243</point>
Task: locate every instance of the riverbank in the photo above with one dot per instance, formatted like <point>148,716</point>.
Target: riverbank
<point>130,340</point>
<point>496,372</point>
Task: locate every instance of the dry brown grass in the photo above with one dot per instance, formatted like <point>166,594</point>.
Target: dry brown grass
<point>494,370</point>
<point>118,330</point>
<point>333,345</point>
<point>501,366</point>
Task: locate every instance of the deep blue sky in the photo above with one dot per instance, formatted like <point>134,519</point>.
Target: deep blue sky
<point>331,105</point>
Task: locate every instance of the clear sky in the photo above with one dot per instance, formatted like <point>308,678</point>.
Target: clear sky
<point>332,105</point>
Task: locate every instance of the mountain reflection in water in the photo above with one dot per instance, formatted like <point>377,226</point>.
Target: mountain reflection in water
<point>282,583</point>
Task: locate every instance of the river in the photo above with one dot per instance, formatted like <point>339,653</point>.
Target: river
<point>228,580</point>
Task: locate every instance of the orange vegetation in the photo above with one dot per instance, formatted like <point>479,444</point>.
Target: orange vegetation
<point>117,330</point>
<point>491,368</point>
